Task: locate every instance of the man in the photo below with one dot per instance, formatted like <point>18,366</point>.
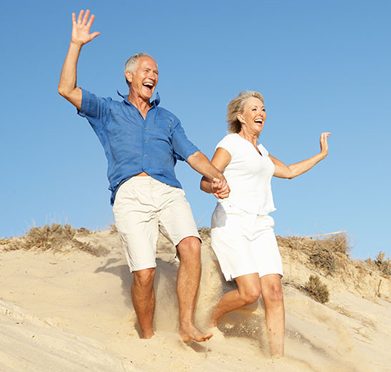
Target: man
<point>142,143</point>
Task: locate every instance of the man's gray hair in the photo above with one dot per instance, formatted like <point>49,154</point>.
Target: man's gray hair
<point>132,62</point>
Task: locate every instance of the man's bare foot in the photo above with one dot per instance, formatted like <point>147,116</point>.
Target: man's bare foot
<point>193,334</point>
<point>146,335</point>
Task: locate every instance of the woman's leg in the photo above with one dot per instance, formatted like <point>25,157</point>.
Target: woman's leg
<point>274,310</point>
<point>249,290</point>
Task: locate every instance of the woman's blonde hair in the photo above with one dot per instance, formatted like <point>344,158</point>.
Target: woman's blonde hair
<point>236,106</point>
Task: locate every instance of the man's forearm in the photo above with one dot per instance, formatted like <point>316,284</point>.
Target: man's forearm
<point>67,85</point>
<point>200,163</point>
<point>213,181</point>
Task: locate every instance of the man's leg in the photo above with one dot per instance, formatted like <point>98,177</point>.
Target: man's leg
<point>143,297</point>
<point>188,282</point>
<point>137,226</point>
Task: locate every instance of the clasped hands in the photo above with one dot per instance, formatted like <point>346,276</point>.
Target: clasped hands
<point>220,188</point>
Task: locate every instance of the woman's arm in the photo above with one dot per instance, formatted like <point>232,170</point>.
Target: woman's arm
<point>294,170</point>
<point>220,160</point>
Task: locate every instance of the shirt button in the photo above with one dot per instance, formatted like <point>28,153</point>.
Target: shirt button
<point>145,155</point>
<point>169,126</point>
<point>145,141</point>
<point>145,128</point>
<point>117,183</point>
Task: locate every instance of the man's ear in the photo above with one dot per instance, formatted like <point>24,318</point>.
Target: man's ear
<point>128,76</point>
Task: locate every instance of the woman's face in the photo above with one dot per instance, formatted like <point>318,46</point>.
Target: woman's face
<point>253,116</point>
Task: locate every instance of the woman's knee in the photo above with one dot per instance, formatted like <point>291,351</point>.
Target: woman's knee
<point>250,295</point>
<point>273,293</point>
<point>250,298</point>
<point>249,288</point>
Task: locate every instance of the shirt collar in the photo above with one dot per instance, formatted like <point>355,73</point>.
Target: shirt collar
<point>155,102</point>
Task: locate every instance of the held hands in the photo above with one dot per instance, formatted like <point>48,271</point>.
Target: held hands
<point>81,28</point>
<point>324,147</point>
<point>220,188</point>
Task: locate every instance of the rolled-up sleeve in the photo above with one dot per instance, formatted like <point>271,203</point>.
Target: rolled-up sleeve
<point>182,146</point>
<point>93,107</point>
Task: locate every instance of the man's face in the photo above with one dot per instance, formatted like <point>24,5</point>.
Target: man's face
<point>145,78</point>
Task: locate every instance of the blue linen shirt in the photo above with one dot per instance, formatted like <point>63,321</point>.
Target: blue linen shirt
<point>133,145</point>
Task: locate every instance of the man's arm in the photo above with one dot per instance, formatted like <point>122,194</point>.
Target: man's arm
<point>80,36</point>
<point>200,163</point>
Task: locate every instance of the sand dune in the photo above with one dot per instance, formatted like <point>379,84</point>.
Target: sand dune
<point>71,311</point>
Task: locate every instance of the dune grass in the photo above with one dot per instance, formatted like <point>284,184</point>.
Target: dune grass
<point>54,237</point>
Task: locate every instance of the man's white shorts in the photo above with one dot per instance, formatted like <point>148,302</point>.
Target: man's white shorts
<point>244,243</point>
<point>144,205</point>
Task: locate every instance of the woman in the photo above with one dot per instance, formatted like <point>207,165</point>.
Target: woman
<point>242,230</point>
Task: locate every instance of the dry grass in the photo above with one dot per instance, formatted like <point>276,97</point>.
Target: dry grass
<point>383,263</point>
<point>337,244</point>
<point>49,237</point>
<point>204,232</point>
<point>324,259</point>
<point>327,255</point>
<point>56,238</point>
<point>317,290</point>
<point>83,231</point>
<point>380,263</point>
<point>113,228</point>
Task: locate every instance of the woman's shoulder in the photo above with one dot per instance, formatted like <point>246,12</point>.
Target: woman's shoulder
<point>228,140</point>
<point>262,149</point>
<point>229,143</point>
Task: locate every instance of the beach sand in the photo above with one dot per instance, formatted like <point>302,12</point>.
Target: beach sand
<point>71,311</point>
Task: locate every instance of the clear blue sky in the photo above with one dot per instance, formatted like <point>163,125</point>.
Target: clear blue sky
<point>321,66</point>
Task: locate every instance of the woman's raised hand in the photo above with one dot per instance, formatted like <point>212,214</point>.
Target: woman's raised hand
<point>81,28</point>
<point>324,147</point>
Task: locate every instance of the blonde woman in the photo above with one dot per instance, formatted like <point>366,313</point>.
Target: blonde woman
<point>242,230</point>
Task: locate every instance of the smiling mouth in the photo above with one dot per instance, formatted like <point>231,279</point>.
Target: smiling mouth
<point>258,121</point>
<point>148,86</point>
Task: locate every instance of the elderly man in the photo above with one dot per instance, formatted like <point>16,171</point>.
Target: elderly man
<point>142,143</point>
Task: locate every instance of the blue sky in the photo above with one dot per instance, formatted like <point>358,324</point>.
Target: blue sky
<point>321,66</point>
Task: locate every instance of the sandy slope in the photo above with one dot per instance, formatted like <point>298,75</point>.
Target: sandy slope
<point>72,312</point>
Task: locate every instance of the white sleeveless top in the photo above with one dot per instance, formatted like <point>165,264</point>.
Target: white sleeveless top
<point>248,175</point>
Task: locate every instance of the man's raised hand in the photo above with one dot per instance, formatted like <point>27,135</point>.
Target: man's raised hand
<point>81,28</point>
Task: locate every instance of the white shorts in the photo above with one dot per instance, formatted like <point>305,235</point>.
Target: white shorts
<point>244,243</point>
<point>144,205</point>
